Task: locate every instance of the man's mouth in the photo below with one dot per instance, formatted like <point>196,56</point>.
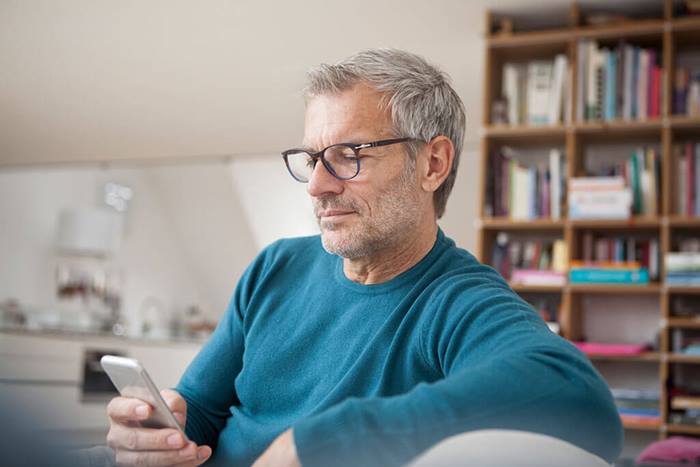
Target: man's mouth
<point>334,213</point>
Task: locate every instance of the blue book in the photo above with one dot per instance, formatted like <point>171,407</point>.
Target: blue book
<point>611,86</point>
<point>609,276</point>
<point>640,412</point>
<point>533,192</point>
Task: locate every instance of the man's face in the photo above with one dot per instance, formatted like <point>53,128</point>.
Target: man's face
<point>382,205</point>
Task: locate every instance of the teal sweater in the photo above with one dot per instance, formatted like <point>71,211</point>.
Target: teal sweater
<point>375,374</point>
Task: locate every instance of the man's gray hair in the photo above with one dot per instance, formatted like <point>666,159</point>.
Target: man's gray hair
<point>422,101</point>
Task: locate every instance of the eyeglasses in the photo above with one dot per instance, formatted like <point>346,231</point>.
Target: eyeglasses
<point>341,160</point>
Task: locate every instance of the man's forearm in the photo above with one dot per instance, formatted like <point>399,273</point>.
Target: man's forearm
<point>535,393</point>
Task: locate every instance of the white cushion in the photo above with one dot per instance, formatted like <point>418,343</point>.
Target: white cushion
<point>498,448</point>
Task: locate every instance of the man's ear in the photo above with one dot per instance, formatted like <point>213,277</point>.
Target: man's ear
<point>437,163</point>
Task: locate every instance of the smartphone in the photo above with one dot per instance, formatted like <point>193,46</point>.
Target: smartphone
<point>132,380</point>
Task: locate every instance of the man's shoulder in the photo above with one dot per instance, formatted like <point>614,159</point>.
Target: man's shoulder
<point>311,243</point>
<point>306,249</point>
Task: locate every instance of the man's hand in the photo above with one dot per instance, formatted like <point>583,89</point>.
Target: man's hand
<point>281,453</point>
<point>134,445</point>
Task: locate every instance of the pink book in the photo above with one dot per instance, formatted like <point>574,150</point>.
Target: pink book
<point>598,348</point>
<point>538,277</point>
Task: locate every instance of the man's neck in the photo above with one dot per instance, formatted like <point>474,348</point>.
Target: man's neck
<point>388,264</point>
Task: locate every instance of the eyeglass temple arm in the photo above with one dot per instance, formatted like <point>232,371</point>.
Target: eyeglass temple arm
<point>381,143</point>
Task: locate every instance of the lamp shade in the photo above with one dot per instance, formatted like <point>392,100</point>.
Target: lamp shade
<point>89,231</point>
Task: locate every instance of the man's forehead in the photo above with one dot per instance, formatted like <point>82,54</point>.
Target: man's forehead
<point>356,112</point>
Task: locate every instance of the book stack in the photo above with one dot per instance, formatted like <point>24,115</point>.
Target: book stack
<point>606,272</point>
<point>530,262</point>
<point>638,406</point>
<point>599,198</point>
<point>522,191</point>
<point>687,158</point>
<point>685,341</point>
<point>686,92</point>
<point>617,190</point>
<point>624,82</point>
<point>535,92</point>
<point>685,408</point>
<point>683,268</point>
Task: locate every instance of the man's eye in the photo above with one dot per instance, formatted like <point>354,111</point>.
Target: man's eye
<point>310,162</point>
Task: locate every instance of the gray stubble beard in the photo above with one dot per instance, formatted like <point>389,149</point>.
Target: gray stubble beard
<point>399,203</point>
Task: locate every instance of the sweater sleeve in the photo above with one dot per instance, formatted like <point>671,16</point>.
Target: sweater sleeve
<point>207,384</point>
<point>502,368</point>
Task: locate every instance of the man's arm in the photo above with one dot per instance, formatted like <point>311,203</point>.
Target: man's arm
<point>503,369</point>
<point>207,384</point>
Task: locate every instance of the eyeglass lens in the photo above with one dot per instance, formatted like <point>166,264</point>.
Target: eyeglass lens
<point>340,160</point>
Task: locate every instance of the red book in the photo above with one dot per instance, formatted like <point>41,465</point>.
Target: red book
<point>689,180</point>
<point>655,100</point>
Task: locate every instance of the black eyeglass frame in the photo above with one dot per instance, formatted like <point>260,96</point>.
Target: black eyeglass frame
<point>315,156</point>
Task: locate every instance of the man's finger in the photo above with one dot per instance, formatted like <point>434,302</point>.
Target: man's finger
<point>144,439</point>
<point>203,454</point>
<point>126,409</point>
<point>175,401</point>
<point>158,458</point>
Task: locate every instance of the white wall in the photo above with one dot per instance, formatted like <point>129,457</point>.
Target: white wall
<point>186,239</point>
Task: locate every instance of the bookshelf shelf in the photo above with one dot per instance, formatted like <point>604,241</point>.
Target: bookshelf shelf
<point>505,223</point>
<point>594,146</point>
<point>632,223</point>
<point>628,29</point>
<point>614,289</point>
<point>653,357</point>
<point>534,132</point>
<point>530,39</point>
<point>687,323</point>
<point>688,429</point>
<point>689,23</point>
<point>684,122</point>
<point>680,290</point>
<point>536,288</point>
<point>680,358</point>
<point>641,426</point>
<point>684,221</point>
<point>647,127</point>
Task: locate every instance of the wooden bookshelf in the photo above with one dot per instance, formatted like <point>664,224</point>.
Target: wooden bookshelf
<point>650,289</point>
<point>686,429</point>
<point>666,32</point>
<point>642,426</point>
<point>680,358</point>
<point>653,357</point>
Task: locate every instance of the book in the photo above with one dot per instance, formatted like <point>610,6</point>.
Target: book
<point>608,276</point>
<point>621,82</point>
<point>599,198</point>
<point>685,402</point>
<point>511,92</point>
<point>539,83</point>
<point>611,349</point>
<point>528,261</point>
<point>581,60</point>
<point>610,86</point>
<point>556,95</point>
<point>538,277</point>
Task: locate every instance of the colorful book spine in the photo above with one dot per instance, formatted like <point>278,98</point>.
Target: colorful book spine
<point>608,276</point>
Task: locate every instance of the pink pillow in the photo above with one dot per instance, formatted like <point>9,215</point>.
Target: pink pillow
<point>673,449</point>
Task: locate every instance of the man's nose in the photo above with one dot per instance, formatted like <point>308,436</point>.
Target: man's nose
<point>323,182</point>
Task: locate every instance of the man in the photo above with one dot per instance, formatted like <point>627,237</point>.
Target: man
<point>380,338</point>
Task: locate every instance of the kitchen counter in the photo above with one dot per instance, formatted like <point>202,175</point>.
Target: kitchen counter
<point>62,333</point>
